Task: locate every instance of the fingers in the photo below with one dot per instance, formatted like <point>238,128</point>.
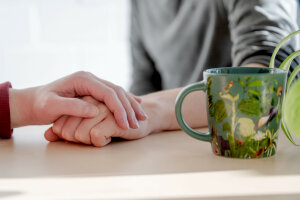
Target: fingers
<point>116,107</point>
<point>116,100</point>
<point>139,111</point>
<point>58,125</point>
<point>101,134</point>
<point>75,129</point>
<point>69,128</point>
<point>66,126</point>
<point>50,135</point>
<point>82,133</point>
<point>129,109</point>
<point>134,102</point>
<point>83,84</point>
<point>138,99</point>
<point>96,131</point>
<point>88,84</point>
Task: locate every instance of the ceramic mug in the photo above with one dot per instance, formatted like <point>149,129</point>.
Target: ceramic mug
<point>243,110</point>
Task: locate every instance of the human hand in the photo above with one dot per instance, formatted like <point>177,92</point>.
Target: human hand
<point>45,104</point>
<point>254,65</point>
<point>95,131</point>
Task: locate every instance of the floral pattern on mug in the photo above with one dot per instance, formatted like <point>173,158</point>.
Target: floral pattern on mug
<point>251,109</point>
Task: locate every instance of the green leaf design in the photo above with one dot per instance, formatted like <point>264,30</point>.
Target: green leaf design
<point>210,105</point>
<point>265,142</point>
<point>247,78</point>
<point>226,127</point>
<point>231,145</point>
<point>252,150</point>
<point>254,92</point>
<point>273,102</point>
<point>221,111</point>
<point>249,107</point>
<point>256,83</point>
<point>241,83</point>
<point>255,97</point>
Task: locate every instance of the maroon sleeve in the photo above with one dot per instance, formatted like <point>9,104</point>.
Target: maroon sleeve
<point>5,129</point>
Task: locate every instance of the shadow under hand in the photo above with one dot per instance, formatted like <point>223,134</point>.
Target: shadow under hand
<point>5,194</point>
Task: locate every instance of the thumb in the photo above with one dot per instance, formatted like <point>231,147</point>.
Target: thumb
<point>75,107</point>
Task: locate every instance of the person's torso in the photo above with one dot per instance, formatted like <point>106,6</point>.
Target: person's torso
<point>184,38</point>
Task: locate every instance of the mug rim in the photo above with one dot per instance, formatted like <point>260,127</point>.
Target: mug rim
<point>236,71</point>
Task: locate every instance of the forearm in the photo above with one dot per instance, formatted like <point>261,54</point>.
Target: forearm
<point>160,107</point>
<point>255,65</point>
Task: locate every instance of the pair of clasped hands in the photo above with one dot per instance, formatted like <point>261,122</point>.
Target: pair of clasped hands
<point>83,109</point>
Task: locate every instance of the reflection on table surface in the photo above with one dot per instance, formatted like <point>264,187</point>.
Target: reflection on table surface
<point>168,165</point>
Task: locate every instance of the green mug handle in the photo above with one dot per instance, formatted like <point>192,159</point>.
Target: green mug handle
<point>201,86</point>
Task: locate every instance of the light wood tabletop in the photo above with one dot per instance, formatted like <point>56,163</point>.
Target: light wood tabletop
<point>168,165</point>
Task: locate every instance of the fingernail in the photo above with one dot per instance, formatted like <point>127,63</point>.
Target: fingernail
<point>126,124</point>
<point>136,123</point>
<point>139,99</point>
<point>144,115</point>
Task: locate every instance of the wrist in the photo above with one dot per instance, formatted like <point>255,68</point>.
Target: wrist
<point>20,104</point>
<point>157,114</point>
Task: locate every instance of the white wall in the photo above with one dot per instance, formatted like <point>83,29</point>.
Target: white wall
<point>42,40</point>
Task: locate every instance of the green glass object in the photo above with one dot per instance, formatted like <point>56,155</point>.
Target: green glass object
<point>290,121</point>
<point>291,107</point>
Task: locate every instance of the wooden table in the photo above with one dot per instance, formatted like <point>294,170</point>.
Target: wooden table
<point>168,165</point>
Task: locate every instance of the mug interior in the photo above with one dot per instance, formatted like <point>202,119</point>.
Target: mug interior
<point>245,70</point>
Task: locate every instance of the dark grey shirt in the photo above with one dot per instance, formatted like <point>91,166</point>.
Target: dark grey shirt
<point>174,41</point>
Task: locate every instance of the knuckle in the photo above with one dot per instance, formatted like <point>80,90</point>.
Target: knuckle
<point>90,100</point>
<point>94,134</point>
<point>110,93</point>
<point>66,135</point>
<point>81,75</point>
<point>119,89</point>
<point>97,139</point>
<point>56,128</point>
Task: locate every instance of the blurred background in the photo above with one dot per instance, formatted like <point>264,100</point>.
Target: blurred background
<point>42,40</point>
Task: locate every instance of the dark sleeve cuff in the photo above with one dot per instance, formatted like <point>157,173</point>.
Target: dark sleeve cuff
<point>5,129</point>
